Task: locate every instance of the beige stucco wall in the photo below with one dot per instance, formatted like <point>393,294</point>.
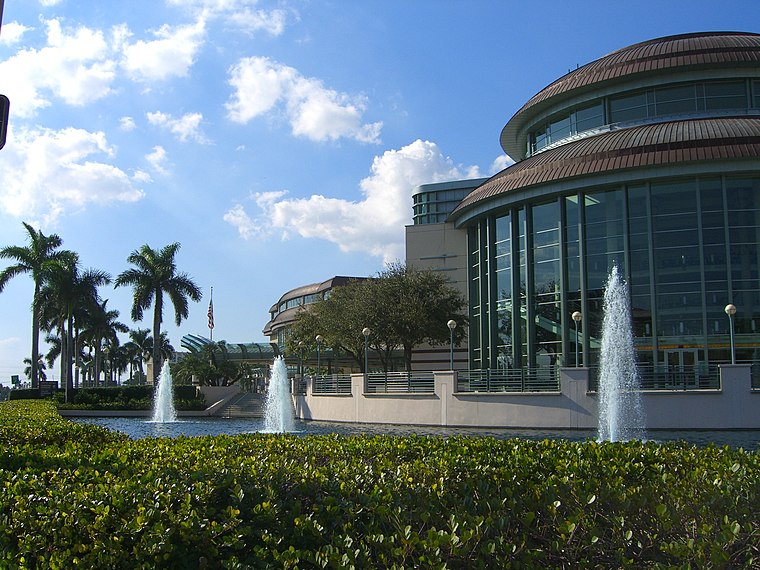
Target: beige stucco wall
<point>734,406</point>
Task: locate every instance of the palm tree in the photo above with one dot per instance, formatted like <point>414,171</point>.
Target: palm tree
<point>40,368</point>
<point>36,259</point>
<point>66,295</point>
<point>154,274</point>
<point>140,346</point>
<point>101,332</point>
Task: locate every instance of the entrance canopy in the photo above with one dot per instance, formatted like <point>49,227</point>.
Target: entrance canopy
<point>236,352</point>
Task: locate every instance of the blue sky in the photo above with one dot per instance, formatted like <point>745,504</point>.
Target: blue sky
<point>278,142</point>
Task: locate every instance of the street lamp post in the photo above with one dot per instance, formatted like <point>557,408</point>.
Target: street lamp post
<point>300,361</point>
<point>452,324</point>
<point>365,332</point>
<point>731,311</point>
<point>577,317</point>
<point>319,338</point>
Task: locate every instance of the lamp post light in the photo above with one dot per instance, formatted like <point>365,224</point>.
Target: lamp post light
<point>319,338</point>
<point>731,311</point>
<point>300,360</point>
<point>577,317</point>
<point>452,324</point>
<point>365,332</point>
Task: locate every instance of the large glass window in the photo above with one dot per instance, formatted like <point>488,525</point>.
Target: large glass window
<point>504,304</point>
<point>631,107</point>
<point>546,283</point>
<point>677,258</point>
<point>743,197</point>
<point>575,122</point>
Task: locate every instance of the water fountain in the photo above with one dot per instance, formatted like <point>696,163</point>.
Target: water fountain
<point>279,414</point>
<point>621,415</point>
<point>163,401</point>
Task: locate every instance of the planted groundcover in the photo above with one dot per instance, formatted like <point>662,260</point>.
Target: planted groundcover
<point>77,495</point>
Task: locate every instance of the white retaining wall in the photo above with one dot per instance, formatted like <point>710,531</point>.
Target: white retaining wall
<point>733,406</point>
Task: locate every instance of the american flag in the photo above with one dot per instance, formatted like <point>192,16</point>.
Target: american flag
<point>211,314</point>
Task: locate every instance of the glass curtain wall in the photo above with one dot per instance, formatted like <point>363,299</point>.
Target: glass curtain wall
<point>686,247</point>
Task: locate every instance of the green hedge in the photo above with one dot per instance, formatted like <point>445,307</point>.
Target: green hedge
<point>75,495</point>
<point>128,398</point>
<point>24,394</point>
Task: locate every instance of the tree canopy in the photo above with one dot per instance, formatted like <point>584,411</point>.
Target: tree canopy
<point>402,307</point>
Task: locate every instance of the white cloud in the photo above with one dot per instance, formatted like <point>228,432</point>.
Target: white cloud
<point>240,13</point>
<point>313,111</point>
<point>238,218</point>
<point>13,32</point>
<point>187,127</point>
<point>127,124</point>
<point>374,224</point>
<point>45,172</point>
<point>171,54</point>
<point>272,22</point>
<point>500,163</point>
<point>158,159</point>
<point>74,66</point>
<point>142,177</point>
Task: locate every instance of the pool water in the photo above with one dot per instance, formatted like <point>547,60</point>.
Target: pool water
<point>137,428</point>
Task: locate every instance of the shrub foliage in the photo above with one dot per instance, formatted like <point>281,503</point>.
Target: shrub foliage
<point>75,495</point>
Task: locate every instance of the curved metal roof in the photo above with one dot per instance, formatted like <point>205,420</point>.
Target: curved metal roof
<point>644,145</point>
<point>232,350</point>
<point>661,55</point>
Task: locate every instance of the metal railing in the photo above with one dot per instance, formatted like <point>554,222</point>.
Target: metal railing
<point>400,383</point>
<point>755,375</point>
<point>667,378</point>
<point>331,384</point>
<point>299,386</point>
<point>510,380</point>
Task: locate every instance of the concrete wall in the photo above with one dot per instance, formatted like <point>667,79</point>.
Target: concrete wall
<point>734,406</point>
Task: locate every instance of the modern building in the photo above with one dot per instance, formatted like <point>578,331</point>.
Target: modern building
<point>435,244</point>
<point>649,159</point>
<point>283,313</point>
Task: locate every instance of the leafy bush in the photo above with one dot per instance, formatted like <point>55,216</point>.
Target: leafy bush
<point>24,394</point>
<point>78,495</point>
<point>128,398</point>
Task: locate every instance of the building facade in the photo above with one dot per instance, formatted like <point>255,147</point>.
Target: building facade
<point>648,159</point>
<point>435,244</point>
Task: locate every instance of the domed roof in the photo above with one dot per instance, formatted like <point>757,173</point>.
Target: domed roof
<point>711,49</point>
<point>659,54</point>
<point>644,145</point>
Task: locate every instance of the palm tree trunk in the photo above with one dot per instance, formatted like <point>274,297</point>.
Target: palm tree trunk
<point>157,311</point>
<point>70,354</point>
<point>63,332</point>
<point>35,337</point>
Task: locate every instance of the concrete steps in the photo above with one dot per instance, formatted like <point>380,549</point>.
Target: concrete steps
<point>244,406</point>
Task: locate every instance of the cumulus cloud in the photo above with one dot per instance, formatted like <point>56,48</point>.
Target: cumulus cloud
<point>243,14</point>
<point>127,124</point>
<point>315,112</point>
<point>375,223</point>
<point>158,160</point>
<point>170,54</point>
<point>185,128</point>
<point>13,33</point>
<point>500,163</point>
<point>74,66</point>
<point>45,172</point>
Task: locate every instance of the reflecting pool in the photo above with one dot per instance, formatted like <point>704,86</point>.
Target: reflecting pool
<point>137,428</point>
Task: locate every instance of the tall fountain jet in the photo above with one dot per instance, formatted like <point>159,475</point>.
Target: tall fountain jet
<point>279,414</point>
<point>621,415</point>
<point>163,400</point>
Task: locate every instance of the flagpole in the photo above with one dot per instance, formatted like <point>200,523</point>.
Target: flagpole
<point>211,315</point>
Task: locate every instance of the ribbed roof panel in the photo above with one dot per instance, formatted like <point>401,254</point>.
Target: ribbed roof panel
<point>662,53</point>
<point>645,145</point>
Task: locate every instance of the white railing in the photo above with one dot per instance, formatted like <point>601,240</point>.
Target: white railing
<point>400,383</point>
